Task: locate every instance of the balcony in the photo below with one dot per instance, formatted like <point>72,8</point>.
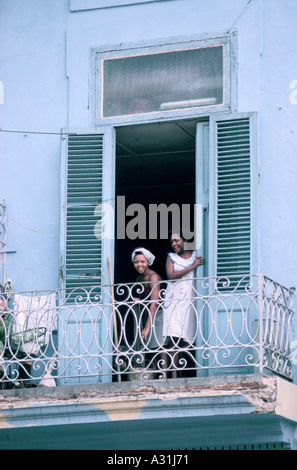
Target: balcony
<point>83,336</point>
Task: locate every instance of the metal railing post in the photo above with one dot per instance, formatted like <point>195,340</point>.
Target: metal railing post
<point>260,313</point>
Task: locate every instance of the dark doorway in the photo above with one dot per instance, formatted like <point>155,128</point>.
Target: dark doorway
<point>155,164</point>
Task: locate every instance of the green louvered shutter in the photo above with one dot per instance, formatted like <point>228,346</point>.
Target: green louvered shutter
<point>83,194</point>
<point>235,243</point>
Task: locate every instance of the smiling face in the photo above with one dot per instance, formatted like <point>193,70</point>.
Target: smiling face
<point>177,243</point>
<point>140,263</point>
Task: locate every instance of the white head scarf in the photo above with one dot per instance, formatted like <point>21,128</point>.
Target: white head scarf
<point>149,256</point>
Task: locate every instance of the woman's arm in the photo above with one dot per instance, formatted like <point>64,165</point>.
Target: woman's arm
<point>154,302</point>
<point>171,274</point>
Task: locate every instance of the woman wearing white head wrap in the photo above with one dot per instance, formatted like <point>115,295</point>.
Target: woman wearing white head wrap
<point>150,280</point>
<point>149,256</point>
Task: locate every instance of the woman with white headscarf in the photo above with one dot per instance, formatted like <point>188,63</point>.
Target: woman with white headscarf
<point>150,281</point>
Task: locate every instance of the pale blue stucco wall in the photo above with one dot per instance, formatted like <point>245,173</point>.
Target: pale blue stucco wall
<point>33,38</point>
<point>45,74</point>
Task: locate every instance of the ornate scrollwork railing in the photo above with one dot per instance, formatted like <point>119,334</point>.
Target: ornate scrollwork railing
<point>232,325</point>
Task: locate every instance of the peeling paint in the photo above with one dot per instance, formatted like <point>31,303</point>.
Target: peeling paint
<point>120,410</point>
<point>262,397</point>
<point>4,422</point>
<point>254,395</point>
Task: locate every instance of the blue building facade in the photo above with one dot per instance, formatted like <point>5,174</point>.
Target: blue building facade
<point>106,104</point>
<point>53,74</point>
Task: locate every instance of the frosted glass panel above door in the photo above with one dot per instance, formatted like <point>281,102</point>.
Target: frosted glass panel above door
<point>160,82</point>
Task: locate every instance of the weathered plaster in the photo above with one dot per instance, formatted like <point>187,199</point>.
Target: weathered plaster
<point>119,409</point>
<point>145,400</point>
<point>217,411</point>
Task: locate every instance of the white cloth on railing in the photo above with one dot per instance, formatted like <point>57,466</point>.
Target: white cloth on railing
<point>34,321</point>
<point>178,305</point>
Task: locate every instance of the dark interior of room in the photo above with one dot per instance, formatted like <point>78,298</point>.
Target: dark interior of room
<point>155,163</point>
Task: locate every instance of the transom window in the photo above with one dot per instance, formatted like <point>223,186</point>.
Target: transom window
<point>163,82</point>
<point>163,79</point>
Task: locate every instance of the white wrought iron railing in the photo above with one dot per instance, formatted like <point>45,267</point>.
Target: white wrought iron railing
<point>239,325</point>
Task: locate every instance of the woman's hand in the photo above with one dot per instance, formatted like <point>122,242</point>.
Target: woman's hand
<point>145,332</point>
<point>198,261</point>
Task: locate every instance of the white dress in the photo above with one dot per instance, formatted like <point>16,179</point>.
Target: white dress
<point>178,307</point>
